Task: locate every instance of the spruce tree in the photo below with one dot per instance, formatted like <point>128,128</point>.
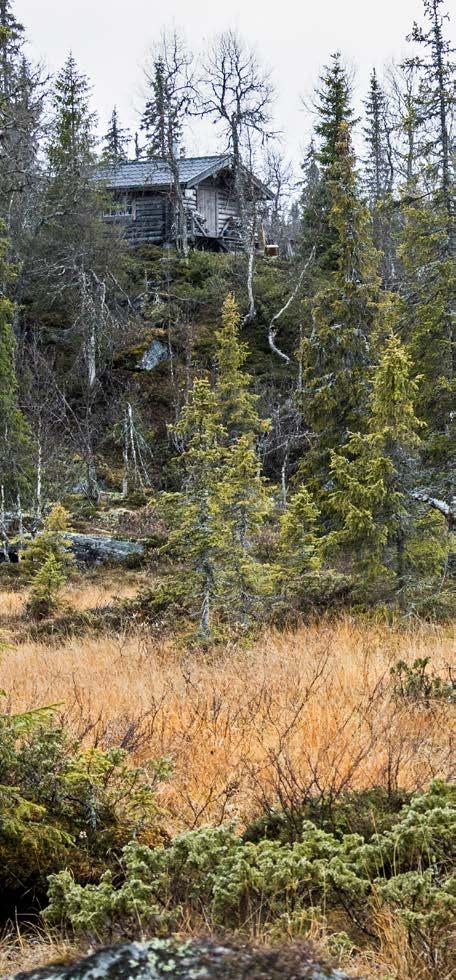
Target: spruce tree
<point>51,542</point>
<point>15,438</point>
<point>245,503</point>
<point>378,177</point>
<point>77,256</point>
<point>335,115</point>
<point>428,252</point>
<point>436,103</point>
<point>313,207</point>
<point>172,93</point>
<point>11,44</point>
<point>199,536</point>
<point>380,528</point>
<point>237,404</point>
<point>334,110</point>
<point>223,503</point>
<point>157,116</point>
<point>427,325</point>
<point>46,563</point>
<point>299,554</point>
<point>115,141</point>
<point>72,143</point>
<point>343,315</point>
<point>22,97</point>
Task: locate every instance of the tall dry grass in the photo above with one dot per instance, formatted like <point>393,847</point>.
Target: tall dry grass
<point>296,715</point>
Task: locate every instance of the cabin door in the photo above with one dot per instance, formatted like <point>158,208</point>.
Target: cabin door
<point>207,207</point>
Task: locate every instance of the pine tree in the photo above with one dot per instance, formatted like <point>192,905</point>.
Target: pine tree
<point>115,141</point>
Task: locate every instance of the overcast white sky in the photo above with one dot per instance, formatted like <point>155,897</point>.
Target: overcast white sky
<point>110,40</point>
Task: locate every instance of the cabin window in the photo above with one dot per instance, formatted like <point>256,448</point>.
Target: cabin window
<point>121,208</point>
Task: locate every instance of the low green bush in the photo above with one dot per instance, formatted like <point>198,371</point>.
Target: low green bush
<point>413,682</point>
<point>64,805</point>
<point>364,812</point>
<point>213,877</point>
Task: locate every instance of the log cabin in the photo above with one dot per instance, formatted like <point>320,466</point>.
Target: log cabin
<point>141,201</point>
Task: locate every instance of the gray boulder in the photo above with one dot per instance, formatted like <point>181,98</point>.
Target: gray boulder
<point>94,549</point>
<point>153,356</point>
<point>162,959</point>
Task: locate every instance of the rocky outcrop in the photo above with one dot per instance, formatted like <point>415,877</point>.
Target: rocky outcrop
<point>93,549</point>
<point>153,356</point>
<point>161,959</point>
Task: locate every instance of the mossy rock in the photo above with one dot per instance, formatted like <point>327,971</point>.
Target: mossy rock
<point>163,959</point>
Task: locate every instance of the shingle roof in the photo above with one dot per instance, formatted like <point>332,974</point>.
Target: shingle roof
<point>156,173</point>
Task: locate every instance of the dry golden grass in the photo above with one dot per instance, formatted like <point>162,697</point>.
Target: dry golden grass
<point>79,594</point>
<point>34,948</point>
<point>294,715</point>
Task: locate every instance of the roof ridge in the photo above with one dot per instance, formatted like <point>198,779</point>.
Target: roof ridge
<point>155,160</point>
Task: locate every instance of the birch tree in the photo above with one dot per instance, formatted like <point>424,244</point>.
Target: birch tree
<point>238,94</point>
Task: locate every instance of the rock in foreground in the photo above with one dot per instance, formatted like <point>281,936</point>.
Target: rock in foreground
<point>169,960</point>
<point>96,549</point>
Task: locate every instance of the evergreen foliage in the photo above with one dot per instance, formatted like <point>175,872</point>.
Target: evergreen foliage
<point>237,403</point>
<point>298,543</point>
<point>224,501</point>
<point>63,804</point>
<point>158,116</point>
<point>72,142</point>
<point>212,875</point>
<point>15,438</point>
<point>427,327</point>
<point>199,533</point>
<point>115,141</point>
<point>378,178</point>
<point>11,44</point>
<point>428,250</point>
<point>344,314</point>
<point>46,563</point>
<point>335,117</point>
<point>381,528</point>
